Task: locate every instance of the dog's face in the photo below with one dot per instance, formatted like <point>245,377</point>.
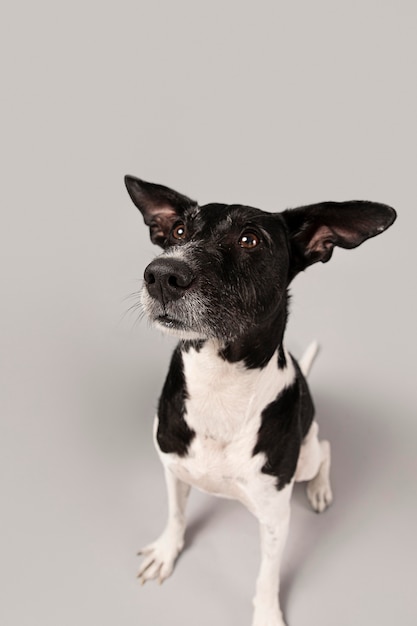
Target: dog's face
<point>225,269</point>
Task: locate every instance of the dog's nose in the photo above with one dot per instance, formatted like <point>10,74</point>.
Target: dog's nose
<point>168,279</point>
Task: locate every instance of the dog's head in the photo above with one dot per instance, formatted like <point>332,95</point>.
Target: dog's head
<point>225,269</point>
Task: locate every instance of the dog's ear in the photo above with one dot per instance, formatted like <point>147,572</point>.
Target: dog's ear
<point>316,229</point>
<point>159,205</point>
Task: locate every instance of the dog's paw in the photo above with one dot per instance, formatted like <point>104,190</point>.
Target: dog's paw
<point>159,558</point>
<point>319,493</point>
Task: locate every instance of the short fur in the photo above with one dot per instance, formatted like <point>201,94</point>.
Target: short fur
<point>235,417</point>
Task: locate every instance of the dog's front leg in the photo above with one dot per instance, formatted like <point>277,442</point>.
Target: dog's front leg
<point>273,531</point>
<point>161,554</point>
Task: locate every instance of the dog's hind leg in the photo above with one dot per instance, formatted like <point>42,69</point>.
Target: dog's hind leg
<point>314,466</point>
<point>160,556</point>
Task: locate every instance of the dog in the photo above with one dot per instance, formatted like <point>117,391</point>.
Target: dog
<point>235,418</point>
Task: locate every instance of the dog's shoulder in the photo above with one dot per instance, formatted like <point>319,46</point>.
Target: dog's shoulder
<point>174,434</point>
<point>284,424</point>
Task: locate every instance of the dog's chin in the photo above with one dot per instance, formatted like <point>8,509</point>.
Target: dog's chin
<point>176,327</point>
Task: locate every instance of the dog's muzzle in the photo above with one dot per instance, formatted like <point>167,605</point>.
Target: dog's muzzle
<point>168,279</point>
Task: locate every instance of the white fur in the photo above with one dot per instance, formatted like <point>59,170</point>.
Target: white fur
<point>224,407</point>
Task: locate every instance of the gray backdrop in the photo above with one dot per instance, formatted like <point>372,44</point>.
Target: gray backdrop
<point>273,104</point>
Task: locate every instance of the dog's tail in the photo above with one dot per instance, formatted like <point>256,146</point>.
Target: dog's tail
<point>308,357</point>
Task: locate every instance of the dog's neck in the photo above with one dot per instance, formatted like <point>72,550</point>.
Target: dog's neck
<point>256,347</point>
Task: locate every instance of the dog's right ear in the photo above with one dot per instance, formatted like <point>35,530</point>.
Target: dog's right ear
<point>159,205</point>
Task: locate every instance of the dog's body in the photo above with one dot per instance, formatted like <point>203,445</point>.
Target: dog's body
<point>235,417</point>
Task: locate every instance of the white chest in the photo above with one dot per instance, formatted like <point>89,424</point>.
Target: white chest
<point>225,399</point>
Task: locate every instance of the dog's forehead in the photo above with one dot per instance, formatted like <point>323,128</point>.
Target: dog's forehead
<point>222,217</point>
<point>215,220</point>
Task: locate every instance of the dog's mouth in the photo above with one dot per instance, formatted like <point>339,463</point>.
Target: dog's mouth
<point>171,323</point>
<point>177,327</point>
<point>175,320</point>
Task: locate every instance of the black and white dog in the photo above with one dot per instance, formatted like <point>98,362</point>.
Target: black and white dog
<point>235,417</point>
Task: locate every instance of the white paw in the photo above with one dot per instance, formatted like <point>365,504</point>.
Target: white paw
<point>319,493</point>
<point>159,558</point>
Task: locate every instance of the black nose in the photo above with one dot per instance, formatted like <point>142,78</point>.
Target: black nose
<point>168,279</point>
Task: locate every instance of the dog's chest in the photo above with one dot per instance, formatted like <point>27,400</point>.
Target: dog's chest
<point>220,395</point>
<point>224,409</point>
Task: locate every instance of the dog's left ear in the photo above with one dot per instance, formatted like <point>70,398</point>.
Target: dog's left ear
<point>316,229</point>
<point>159,205</point>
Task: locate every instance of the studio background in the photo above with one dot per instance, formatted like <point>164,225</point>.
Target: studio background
<point>273,104</point>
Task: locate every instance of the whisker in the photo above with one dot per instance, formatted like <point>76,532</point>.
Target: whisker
<point>136,307</point>
<point>139,317</point>
<point>134,294</point>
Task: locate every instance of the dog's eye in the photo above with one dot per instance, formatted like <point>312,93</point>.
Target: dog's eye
<point>179,231</point>
<point>249,240</point>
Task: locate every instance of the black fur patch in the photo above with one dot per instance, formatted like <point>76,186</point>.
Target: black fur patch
<point>285,423</point>
<point>174,434</point>
<point>194,344</point>
<point>282,361</point>
<point>257,347</point>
